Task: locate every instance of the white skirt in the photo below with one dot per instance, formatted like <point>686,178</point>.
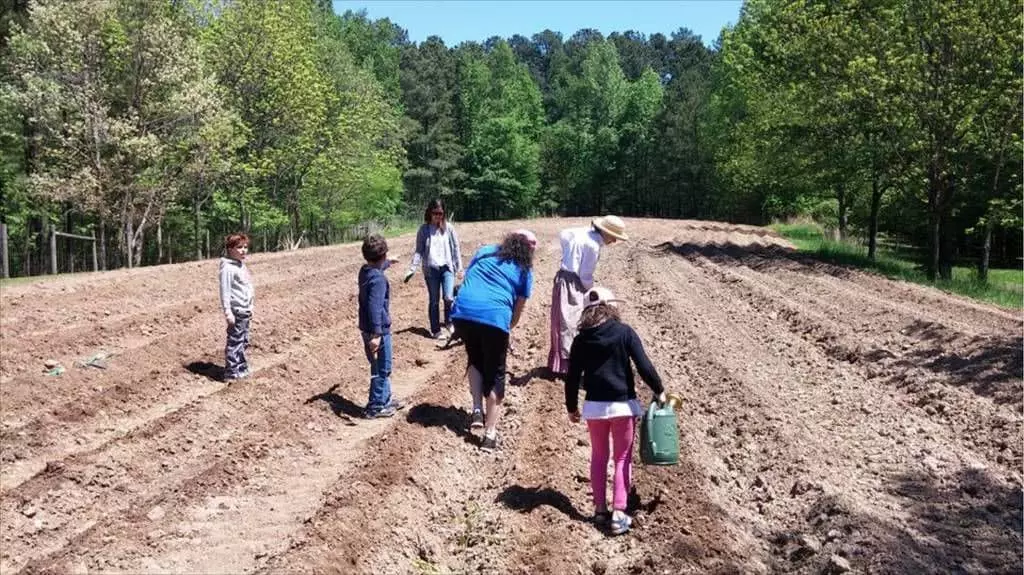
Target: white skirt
<point>610,409</point>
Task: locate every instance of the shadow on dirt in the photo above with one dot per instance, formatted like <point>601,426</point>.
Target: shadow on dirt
<point>987,365</point>
<point>339,405</point>
<point>526,499</point>
<point>420,331</point>
<point>962,523</point>
<point>970,523</point>
<point>756,257</point>
<point>207,370</point>
<point>432,415</point>
<point>536,373</point>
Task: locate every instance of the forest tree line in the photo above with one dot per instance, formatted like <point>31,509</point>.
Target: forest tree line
<point>156,124</point>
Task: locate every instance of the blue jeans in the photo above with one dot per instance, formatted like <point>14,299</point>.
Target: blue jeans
<point>439,281</point>
<point>380,372</point>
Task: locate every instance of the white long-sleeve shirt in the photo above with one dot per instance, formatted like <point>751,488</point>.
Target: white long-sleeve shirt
<point>581,248</point>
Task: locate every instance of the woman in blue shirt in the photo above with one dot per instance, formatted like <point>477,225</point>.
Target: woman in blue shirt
<point>497,284</point>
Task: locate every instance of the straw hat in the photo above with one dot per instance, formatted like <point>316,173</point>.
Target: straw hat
<point>612,225</point>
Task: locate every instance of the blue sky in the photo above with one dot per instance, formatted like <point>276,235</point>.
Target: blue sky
<point>456,21</point>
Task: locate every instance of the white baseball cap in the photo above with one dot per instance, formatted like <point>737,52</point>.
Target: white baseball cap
<point>598,296</point>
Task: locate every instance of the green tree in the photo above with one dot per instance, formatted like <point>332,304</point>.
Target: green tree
<point>428,77</point>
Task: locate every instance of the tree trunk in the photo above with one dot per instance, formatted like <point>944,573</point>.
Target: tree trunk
<point>159,243</point>
<point>986,252</point>
<point>103,244</point>
<point>139,241</point>
<point>986,248</point>
<point>196,213</point>
<point>876,202</point>
<point>128,244</point>
<point>945,248</point>
<point>946,230</point>
<point>841,196</point>
<point>5,270</point>
<point>933,232</point>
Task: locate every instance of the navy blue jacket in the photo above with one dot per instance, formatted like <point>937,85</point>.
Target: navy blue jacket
<point>374,300</point>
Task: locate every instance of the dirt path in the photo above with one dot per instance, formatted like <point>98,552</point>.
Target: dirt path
<point>831,418</point>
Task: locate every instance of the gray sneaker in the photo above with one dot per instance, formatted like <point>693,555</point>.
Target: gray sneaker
<point>476,421</point>
<point>489,444</point>
<point>388,411</point>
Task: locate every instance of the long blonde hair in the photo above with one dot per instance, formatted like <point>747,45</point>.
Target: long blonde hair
<point>595,315</point>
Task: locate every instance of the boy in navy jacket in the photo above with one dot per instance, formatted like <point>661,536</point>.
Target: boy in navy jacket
<point>375,325</point>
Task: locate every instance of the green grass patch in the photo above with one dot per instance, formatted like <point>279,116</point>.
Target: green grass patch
<point>399,227</point>
<point>20,280</point>
<point>1005,286</point>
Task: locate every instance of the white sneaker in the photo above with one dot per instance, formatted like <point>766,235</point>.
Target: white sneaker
<point>620,523</point>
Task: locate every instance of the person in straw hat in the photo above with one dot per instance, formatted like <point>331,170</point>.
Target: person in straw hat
<point>581,248</point>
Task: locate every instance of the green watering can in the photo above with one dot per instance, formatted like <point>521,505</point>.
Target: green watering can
<point>659,433</point>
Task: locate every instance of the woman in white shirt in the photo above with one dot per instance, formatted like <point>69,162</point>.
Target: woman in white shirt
<point>437,249</point>
<point>581,248</point>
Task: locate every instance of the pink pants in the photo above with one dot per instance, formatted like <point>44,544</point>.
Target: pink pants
<point>621,431</point>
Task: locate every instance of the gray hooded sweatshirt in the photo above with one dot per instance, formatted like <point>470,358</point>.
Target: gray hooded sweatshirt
<point>236,290</point>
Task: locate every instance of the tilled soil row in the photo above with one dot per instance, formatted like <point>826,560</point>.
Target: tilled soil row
<point>241,418</point>
<point>139,396</point>
<point>120,504</point>
<point>887,348</point>
<point>145,341</point>
<point>812,431</point>
<point>789,418</point>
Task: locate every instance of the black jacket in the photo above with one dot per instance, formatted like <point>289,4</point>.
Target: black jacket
<point>601,356</point>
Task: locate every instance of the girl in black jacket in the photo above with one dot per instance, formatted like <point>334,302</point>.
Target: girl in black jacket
<point>601,355</point>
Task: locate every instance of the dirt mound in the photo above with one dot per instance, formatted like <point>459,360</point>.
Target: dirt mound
<point>832,420</point>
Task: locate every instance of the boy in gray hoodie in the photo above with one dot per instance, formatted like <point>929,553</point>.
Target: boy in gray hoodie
<point>236,298</point>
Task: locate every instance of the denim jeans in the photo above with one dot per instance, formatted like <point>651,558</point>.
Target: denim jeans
<point>235,362</point>
<point>380,372</point>
<point>440,281</point>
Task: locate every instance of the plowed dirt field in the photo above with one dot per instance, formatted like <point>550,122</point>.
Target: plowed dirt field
<point>832,420</point>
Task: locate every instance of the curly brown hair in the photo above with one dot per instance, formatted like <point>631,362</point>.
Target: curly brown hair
<point>375,248</point>
<point>595,315</point>
<point>518,249</point>
<point>236,240</point>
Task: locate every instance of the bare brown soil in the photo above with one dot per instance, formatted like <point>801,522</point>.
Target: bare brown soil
<point>832,419</point>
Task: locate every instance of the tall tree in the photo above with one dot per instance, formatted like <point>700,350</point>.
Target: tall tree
<point>428,94</point>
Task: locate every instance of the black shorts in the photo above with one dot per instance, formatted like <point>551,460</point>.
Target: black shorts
<point>487,348</point>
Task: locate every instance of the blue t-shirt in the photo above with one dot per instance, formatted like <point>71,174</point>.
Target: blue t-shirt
<point>490,289</point>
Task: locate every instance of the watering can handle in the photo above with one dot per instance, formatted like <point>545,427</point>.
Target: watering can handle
<point>650,413</point>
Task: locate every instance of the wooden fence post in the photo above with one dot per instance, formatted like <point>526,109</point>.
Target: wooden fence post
<point>95,260</point>
<point>53,249</point>
<point>5,263</point>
